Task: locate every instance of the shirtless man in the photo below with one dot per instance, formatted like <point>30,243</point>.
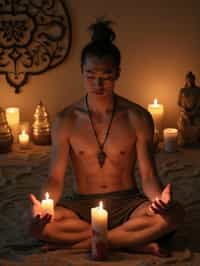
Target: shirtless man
<point>104,134</point>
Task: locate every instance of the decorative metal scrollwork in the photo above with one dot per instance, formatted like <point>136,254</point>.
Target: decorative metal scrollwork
<point>35,36</point>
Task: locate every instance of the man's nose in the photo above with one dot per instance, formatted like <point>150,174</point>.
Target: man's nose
<point>99,81</point>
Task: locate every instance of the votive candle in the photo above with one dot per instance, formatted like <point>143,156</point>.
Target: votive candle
<point>24,139</point>
<point>170,136</point>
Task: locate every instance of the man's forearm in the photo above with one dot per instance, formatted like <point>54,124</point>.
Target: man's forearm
<point>152,187</point>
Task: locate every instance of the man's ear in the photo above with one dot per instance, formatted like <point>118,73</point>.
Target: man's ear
<point>118,71</point>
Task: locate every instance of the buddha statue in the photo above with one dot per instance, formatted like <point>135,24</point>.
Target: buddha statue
<point>189,112</point>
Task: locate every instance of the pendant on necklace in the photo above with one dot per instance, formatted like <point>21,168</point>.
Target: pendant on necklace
<point>101,158</point>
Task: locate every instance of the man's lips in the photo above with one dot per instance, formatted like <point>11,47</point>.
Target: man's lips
<point>99,91</point>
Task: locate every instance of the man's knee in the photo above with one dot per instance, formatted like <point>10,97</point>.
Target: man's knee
<point>174,217</point>
<point>63,213</point>
<point>42,231</point>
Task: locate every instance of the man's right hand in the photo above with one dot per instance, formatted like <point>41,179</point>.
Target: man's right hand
<point>163,203</point>
<point>39,221</point>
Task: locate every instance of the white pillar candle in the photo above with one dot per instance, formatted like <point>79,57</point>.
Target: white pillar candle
<point>24,139</point>
<point>12,115</point>
<point>13,118</point>
<point>99,221</point>
<point>47,206</point>
<point>156,111</point>
<point>170,136</point>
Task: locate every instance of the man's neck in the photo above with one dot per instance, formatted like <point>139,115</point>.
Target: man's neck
<point>100,104</point>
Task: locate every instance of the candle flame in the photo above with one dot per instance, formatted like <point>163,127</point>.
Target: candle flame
<point>101,205</point>
<point>171,130</point>
<point>23,132</point>
<point>155,101</point>
<point>12,109</point>
<point>47,195</point>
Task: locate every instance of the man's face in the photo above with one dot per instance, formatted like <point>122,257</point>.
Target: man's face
<point>99,75</point>
<point>190,82</point>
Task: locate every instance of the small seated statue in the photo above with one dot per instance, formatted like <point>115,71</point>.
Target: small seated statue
<point>189,115</point>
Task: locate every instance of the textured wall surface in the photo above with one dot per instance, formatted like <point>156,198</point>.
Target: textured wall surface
<point>159,44</point>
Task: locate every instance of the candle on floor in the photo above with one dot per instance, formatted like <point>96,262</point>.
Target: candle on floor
<point>24,125</point>
<point>99,221</point>
<point>170,136</point>
<point>156,111</point>
<point>13,118</point>
<point>48,205</point>
<point>24,139</point>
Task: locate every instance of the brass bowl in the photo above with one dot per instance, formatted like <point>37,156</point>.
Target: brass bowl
<point>6,146</point>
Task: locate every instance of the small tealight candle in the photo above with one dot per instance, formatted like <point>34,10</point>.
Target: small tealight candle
<point>170,139</point>
<point>13,118</point>
<point>24,125</point>
<point>99,221</point>
<point>156,111</point>
<point>48,206</point>
<point>24,139</point>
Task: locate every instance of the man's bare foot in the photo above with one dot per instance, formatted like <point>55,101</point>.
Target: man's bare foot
<point>153,249</point>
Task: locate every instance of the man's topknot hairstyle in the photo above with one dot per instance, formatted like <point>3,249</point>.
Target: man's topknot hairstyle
<point>190,75</point>
<point>101,31</point>
<point>101,44</point>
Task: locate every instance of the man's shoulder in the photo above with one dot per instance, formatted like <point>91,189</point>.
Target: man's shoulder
<point>70,111</point>
<point>133,108</point>
<point>64,119</point>
<point>140,117</point>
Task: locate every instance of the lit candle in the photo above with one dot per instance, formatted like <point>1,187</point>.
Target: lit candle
<point>170,139</point>
<point>24,139</point>
<point>156,111</point>
<point>13,117</point>
<point>99,221</point>
<point>48,205</point>
<point>24,125</point>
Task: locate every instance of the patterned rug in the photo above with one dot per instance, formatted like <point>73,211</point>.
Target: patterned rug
<point>24,171</point>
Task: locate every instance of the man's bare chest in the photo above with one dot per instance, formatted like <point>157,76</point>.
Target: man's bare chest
<point>120,138</point>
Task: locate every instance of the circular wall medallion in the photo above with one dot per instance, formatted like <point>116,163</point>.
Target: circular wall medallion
<point>35,36</point>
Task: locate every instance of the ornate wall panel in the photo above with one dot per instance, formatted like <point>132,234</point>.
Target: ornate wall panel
<point>35,36</point>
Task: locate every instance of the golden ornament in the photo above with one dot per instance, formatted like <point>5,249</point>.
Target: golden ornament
<point>41,132</point>
<point>6,138</point>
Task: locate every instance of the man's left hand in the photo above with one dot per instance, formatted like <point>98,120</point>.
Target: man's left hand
<point>162,204</point>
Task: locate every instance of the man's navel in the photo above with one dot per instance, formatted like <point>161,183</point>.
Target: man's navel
<point>104,186</point>
<point>81,152</point>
